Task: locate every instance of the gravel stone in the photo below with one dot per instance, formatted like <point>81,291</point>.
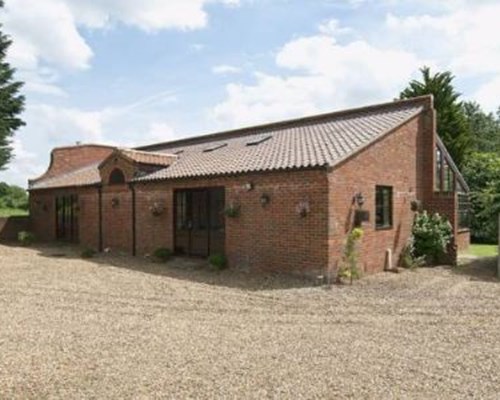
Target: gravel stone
<point>120,327</point>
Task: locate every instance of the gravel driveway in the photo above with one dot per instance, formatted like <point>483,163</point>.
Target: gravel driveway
<point>117,327</point>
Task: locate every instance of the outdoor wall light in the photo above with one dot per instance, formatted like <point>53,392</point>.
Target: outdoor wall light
<point>359,199</point>
<point>265,199</point>
<point>115,202</point>
<point>248,186</point>
<point>303,208</point>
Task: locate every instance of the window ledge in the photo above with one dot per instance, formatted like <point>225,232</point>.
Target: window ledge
<point>383,228</point>
<point>463,230</point>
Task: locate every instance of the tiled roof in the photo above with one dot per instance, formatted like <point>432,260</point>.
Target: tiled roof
<point>148,157</point>
<point>323,140</point>
<point>85,176</point>
<point>309,142</point>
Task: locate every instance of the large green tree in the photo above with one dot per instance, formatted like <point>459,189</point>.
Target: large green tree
<point>11,102</point>
<point>482,173</point>
<point>484,128</point>
<point>452,125</point>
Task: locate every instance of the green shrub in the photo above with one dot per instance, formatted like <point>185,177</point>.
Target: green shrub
<point>408,259</point>
<point>432,234</point>
<point>218,261</point>
<point>25,238</point>
<point>87,253</point>
<point>162,254</point>
<point>349,267</point>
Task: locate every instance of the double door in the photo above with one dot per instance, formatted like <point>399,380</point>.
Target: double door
<point>199,221</point>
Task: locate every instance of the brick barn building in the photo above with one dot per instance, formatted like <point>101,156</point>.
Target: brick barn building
<point>280,196</point>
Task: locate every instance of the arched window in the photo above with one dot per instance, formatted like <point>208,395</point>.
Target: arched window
<point>116,177</point>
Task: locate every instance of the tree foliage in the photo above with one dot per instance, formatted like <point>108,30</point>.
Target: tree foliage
<point>13,197</point>
<point>484,128</point>
<point>482,173</point>
<point>11,102</point>
<point>452,125</point>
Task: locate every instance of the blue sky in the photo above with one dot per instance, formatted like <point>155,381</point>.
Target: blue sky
<point>127,73</point>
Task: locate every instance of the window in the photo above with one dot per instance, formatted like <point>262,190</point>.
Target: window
<point>258,140</point>
<point>215,147</point>
<point>437,177</point>
<point>383,207</point>
<point>116,177</point>
<point>447,177</point>
<point>463,211</point>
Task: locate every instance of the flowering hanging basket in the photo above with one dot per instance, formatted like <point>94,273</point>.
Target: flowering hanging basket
<point>232,211</point>
<point>157,208</point>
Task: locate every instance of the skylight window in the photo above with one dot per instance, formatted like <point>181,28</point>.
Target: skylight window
<point>214,147</point>
<point>259,140</point>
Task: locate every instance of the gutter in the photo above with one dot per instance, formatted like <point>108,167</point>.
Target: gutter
<point>134,235</point>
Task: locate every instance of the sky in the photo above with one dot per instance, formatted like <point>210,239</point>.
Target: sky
<point>127,73</point>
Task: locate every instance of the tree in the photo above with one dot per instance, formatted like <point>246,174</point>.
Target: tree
<point>13,197</point>
<point>11,102</point>
<point>452,125</point>
<point>484,128</point>
<point>482,173</point>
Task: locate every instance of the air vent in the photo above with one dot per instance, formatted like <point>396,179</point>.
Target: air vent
<point>178,152</point>
<point>214,147</point>
<point>257,141</point>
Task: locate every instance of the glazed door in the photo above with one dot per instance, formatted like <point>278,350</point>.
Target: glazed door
<point>67,218</point>
<point>199,221</point>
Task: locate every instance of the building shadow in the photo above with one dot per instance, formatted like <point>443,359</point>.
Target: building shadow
<point>190,269</point>
<point>478,269</point>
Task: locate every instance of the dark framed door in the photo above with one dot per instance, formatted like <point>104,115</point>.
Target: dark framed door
<point>199,221</point>
<point>67,218</point>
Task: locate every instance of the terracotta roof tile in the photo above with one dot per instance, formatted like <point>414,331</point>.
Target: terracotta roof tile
<point>323,140</point>
<point>85,176</point>
<point>312,142</point>
<point>148,157</point>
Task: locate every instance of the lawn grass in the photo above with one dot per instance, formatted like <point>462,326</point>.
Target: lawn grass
<point>12,212</point>
<point>483,250</point>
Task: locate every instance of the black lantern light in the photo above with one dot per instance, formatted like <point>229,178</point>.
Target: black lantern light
<point>359,199</point>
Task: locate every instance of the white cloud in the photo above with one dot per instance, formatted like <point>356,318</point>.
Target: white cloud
<point>488,94</point>
<point>321,75</point>
<point>160,132</point>
<point>225,69</point>
<point>44,30</point>
<point>462,40</point>
<point>332,27</point>
<point>47,30</point>
<point>318,73</point>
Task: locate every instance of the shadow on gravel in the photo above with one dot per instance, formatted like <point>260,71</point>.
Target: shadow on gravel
<point>478,269</point>
<point>182,268</point>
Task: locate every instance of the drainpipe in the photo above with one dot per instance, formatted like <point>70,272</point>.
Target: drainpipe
<point>99,192</point>
<point>132,188</point>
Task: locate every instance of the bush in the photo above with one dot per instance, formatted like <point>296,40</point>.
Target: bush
<point>87,253</point>
<point>25,238</point>
<point>162,254</point>
<point>431,235</point>
<point>218,261</point>
<point>349,268</point>
<point>408,258</point>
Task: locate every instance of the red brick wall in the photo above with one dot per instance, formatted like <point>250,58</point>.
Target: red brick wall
<point>67,158</point>
<point>117,219</point>
<point>393,161</point>
<point>42,212</point>
<point>273,237</point>
<point>11,226</point>
<point>43,218</point>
